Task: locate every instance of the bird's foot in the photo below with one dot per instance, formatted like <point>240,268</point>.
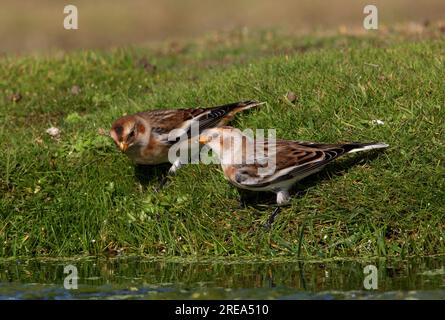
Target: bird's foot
<point>162,184</point>
<point>171,172</point>
<point>242,203</point>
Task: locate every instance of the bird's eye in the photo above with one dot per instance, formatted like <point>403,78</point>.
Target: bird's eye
<point>131,135</point>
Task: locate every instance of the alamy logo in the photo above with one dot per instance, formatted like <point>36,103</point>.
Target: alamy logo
<point>371,21</point>
<point>71,20</point>
<point>70,281</point>
<point>371,278</point>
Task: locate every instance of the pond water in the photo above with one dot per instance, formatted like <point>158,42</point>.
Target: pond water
<point>142,278</point>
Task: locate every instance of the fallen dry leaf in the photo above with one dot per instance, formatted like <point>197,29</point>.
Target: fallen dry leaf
<point>15,97</point>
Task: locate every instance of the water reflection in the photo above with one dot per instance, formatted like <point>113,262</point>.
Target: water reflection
<point>138,278</point>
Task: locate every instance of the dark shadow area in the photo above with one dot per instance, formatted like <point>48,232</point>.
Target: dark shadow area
<point>151,175</point>
<point>336,168</point>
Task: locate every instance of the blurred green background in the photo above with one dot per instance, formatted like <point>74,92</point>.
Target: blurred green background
<point>36,26</point>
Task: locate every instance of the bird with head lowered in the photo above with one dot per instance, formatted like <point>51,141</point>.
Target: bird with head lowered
<point>144,136</point>
<point>280,164</point>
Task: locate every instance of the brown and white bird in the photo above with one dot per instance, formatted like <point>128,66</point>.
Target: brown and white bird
<point>278,166</point>
<point>144,136</point>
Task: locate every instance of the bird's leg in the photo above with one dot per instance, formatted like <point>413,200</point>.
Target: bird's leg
<point>172,171</point>
<point>242,202</point>
<point>282,199</point>
<point>243,198</point>
<point>271,219</point>
<point>162,183</point>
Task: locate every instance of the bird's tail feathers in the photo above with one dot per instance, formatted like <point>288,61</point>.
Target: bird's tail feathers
<point>249,104</point>
<point>233,108</point>
<point>241,106</point>
<point>357,147</point>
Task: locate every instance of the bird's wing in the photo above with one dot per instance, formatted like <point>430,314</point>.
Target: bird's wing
<point>164,121</point>
<point>292,160</point>
<point>217,116</point>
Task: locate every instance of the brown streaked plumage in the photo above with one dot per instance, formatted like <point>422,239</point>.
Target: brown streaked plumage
<point>280,166</point>
<point>144,136</point>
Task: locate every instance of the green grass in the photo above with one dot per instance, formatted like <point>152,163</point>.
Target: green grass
<point>79,196</point>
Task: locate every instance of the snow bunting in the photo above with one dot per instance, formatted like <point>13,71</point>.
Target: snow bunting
<point>144,136</point>
<point>279,165</point>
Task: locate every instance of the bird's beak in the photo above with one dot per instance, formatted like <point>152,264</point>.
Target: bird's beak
<point>203,139</point>
<point>123,146</point>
